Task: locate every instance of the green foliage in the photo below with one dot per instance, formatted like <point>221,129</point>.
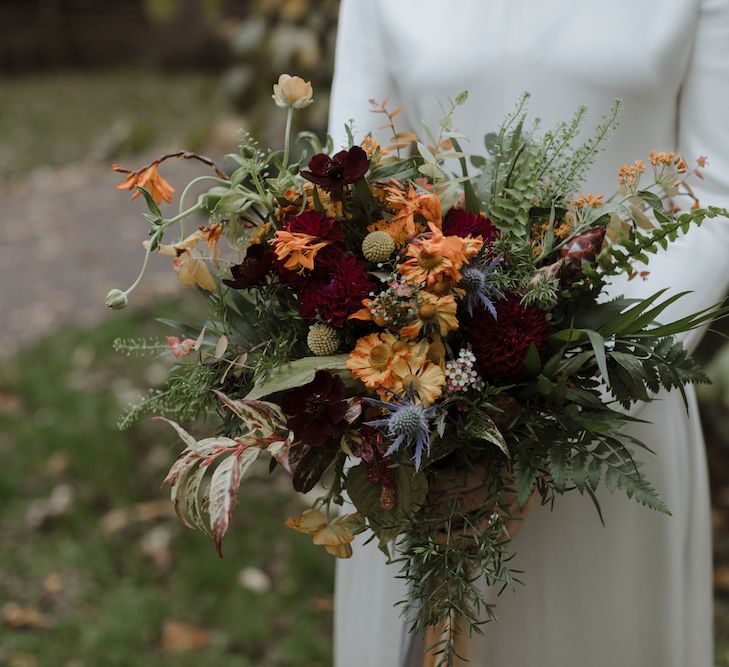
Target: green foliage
<point>139,346</point>
<point>562,168</point>
<point>116,599</point>
<point>410,491</point>
<point>297,373</point>
<point>508,184</point>
<point>619,258</point>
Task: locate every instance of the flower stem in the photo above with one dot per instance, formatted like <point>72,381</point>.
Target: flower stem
<point>287,138</point>
<point>156,238</point>
<point>148,252</point>
<point>186,190</point>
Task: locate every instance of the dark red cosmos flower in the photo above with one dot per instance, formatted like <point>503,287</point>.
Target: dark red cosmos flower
<point>253,269</point>
<point>333,173</point>
<point>316,410</point>
<point>501,345</point>
<point>462,223</point>
<point>335,297</point>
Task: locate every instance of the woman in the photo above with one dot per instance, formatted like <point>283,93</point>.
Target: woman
<point>637,592</point>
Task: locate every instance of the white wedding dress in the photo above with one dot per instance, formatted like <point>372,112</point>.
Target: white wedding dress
<point>637,592</point>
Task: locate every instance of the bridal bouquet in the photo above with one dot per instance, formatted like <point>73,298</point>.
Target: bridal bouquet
<point>421,335</point>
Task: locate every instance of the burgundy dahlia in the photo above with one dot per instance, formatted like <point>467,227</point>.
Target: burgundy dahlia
<point>316,410</point>
<point>316,224</point>
<point>333,173</point>
<point>327,229</point>
<point>253,269</point>
<point>462,223</point>
<point>501,344</point>
<point>338,295</point>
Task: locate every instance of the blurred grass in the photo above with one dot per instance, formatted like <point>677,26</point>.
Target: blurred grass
<point>69,117</point>
<point>59,402</point>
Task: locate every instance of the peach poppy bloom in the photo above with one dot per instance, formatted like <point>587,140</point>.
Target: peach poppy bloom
<point>148,178</point>
<point>297,248</point>
<point>427,379</point>
<point>292,91</point>
<point>437,313</point>
<point>177,249</point>
<point>192,270</point>
<point>371,359</point>
<point>336,537</point>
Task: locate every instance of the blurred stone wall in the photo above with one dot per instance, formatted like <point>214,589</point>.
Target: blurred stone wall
<point>78,34</point>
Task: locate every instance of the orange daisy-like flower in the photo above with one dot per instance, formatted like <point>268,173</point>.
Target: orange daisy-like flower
<point>435,313</point>
<point>148,178</point>
<point>426,378</point>
<point>438,258</point>
<point>297,248</point>
<point>336,537</point>
<point>372,358</point>
<point>411,213</point>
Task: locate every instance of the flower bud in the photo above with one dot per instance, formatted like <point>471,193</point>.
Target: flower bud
<point>116,299</point>
<point>292,91</point>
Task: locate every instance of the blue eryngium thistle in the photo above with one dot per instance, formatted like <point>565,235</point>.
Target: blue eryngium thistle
<point>476,280</point>
<point>407,423</point>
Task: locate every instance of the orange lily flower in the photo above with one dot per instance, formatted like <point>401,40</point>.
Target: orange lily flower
<point>148,178</point>
<point>297,248</point>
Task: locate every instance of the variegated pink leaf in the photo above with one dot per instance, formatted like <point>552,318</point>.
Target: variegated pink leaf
<point>177,479</point>
<point>184,435</point>
<point>214,446</point>
<point>223,491</point>
<point>354,410</point>
<point>189,502</point>
<point>280,451</point>
<point>256,415</point>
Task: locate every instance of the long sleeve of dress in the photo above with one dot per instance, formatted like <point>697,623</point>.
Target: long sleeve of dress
<point>361,71</point>
<point>699,261</point>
